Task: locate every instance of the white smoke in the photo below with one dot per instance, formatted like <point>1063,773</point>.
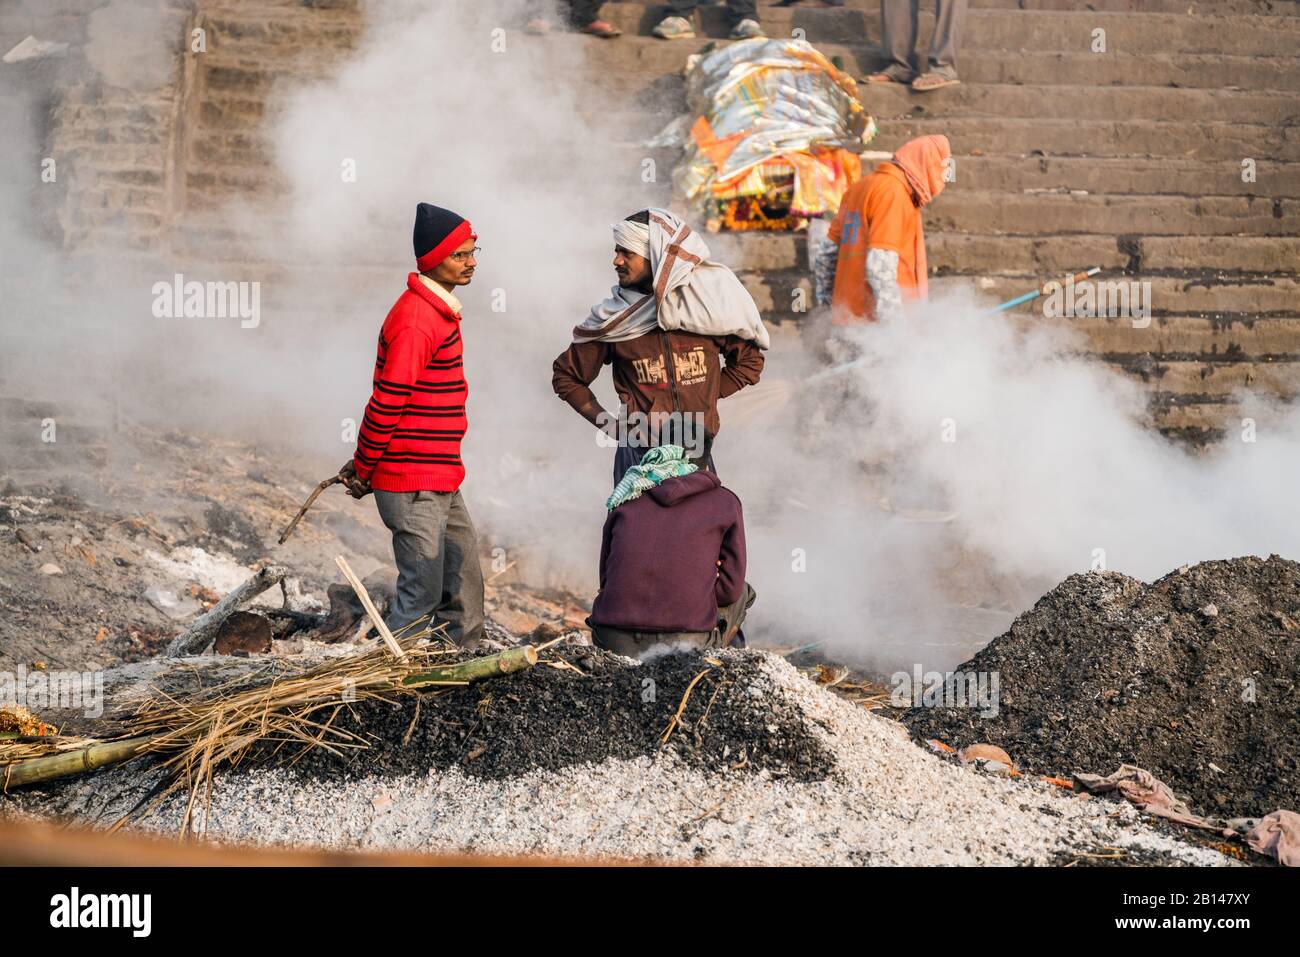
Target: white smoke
<point>451,104</point>
<point>1040,458</point>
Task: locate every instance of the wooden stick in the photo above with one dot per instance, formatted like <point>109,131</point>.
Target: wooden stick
<point>322,486</point>
<point>369,606</point>
<point>54,766</point>
<point>477,669</point>
<point>675,720</point>
<point>199,635</point>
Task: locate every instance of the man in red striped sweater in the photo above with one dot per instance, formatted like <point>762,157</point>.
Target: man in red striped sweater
<point>408,448</point>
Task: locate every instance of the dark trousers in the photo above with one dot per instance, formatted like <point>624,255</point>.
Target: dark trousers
<point>727,633</point>
<point>737,10</point>
<point>898,37</point>
<point>438,573</point>
<point>580,12</point>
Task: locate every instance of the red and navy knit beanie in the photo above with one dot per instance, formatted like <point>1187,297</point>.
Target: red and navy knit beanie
<point>438,232</point>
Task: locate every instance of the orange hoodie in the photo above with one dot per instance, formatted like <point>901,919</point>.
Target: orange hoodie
<point>883,211</point>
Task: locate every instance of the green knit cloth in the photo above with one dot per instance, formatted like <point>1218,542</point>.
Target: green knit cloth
<point>661,462</point>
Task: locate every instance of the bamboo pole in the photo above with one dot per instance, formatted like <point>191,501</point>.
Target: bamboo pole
<point>369,606</point>
<point>104,753</point>
<point>35,770</point>
<point>477,669</point>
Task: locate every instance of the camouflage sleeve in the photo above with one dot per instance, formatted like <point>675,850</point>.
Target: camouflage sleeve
<point>825,258</point>
<point>882,274</point>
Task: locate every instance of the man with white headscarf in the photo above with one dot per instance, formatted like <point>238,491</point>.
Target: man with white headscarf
<point>666,329</point>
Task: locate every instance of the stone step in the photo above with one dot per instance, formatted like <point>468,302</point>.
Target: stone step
<point>1009,29</point>
<point>1148,176</point>
<point>780,295</point>
<point>1071,32</point>
<point>1126,69</point>
<point>1180,337</point>
<point>1189,140</point>
<point>1184,7</point>
<point>230,112</point>
<point>1281,8</point>
<point>275,35</point>
<point>1198,421</point>
<point>246,76</point>
<point>217,145</point>
<point>95,189</point>
<point>86,219</point>
<point>1043,256</point>
<point>111,112</point>
<point>961,210</point>
<point>635,56</point>
<point>1218,379</point>
<point>215,184</point>
<point>110,156</point>
<point>1209,295</point>
<point>1120,137</point>
<point>1049,256</point>
<point>1004,101</point>
<point>1276,255</point>
<point>299,7</point>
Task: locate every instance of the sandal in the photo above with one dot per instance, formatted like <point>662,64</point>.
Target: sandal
<point>602,29</point>
<point>674,28</point>
<point>933,81</point>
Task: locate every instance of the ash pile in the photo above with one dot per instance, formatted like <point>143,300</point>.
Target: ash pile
<point>1191,678</point>
<point>733,757</point>
<point>582,705</point>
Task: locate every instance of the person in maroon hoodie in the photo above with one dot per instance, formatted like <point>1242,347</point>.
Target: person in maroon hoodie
<point>672,561</point>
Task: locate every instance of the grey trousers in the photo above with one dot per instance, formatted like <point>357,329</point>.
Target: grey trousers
<point>632,644</point>
<point>737,10</point>
<point>438,573</point>
<point>898,37</point>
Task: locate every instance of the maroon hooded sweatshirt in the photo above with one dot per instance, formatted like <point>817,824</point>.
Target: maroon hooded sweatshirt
<point>659,557</point>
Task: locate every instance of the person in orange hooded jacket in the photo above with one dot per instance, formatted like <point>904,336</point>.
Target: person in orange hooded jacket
<point>873,259</point>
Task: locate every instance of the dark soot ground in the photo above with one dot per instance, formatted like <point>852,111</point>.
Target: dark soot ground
<point>1106,670</point>
<point>550,719</point>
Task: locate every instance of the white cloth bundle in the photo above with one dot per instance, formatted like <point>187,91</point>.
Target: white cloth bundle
<point>690,292</point>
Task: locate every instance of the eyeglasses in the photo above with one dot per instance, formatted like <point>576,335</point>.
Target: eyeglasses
<point>468,254</point>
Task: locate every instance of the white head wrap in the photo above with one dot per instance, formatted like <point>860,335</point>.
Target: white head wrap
<point>634,237</point>
<point>688,292</point>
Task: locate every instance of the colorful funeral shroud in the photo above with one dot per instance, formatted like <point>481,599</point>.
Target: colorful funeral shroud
<point>776,135</point>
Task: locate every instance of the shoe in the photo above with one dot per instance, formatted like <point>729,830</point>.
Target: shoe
<point>747,30</point>
<point>674,28</point>
<point>599,28</point>
<point>933,81</point>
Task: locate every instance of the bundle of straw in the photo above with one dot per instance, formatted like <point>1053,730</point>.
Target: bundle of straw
<point>224,727</point>
<point>244,719</point>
